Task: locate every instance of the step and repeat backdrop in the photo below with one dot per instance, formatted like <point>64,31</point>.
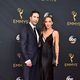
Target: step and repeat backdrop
<point>15,13</point>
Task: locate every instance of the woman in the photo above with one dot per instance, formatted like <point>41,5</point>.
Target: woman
<point>49,46</point>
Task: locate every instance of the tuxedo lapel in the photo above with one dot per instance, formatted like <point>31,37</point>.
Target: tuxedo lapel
<point>31,30</point>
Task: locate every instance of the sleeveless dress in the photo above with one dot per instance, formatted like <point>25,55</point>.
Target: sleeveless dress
<point>47,57</point>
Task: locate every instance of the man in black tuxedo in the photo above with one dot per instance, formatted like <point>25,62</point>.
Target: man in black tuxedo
<point>29,47</point>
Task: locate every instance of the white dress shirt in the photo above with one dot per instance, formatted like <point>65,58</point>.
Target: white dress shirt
<point>35,30</point>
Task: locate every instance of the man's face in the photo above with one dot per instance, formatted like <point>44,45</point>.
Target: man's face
<point>34,18</point>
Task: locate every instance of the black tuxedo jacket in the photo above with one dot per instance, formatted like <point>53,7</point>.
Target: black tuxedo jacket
<point>29,45</point>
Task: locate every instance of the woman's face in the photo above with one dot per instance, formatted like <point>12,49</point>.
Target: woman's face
<point>48,22</point>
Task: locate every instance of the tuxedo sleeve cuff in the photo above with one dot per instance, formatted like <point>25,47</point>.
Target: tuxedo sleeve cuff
<point>27,61</point>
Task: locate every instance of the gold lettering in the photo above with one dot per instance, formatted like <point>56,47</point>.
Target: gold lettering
<point>70,64</point>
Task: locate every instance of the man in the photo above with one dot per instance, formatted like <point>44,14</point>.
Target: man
<point>29,46</point>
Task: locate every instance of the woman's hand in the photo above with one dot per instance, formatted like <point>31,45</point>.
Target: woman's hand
<point>56,62</point>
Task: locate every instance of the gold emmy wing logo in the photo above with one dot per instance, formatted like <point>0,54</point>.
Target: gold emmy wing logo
<point>75,22</point>
<point>20,11</point>
<point>74,14</point>
<point>71,56</point>
<point>71,63</point>
<point>20,20</point>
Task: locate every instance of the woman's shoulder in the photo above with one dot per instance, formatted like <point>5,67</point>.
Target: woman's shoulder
<point>55,32</point>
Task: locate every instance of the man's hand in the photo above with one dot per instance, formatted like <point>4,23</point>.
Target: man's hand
<point>28,63</point>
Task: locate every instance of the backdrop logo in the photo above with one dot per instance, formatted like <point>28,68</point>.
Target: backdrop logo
<point>19,78</point>
<point>20,11</point>
<point>47,14</point>
<point>18,37</point>
<point>49,0</point>
<point>15,65</point>
<point>74,14</point>
<point>71,62</point>
<point>18,55</point>
<point>75,22</point>
<point>72,39</point>
<point>69,78</point>
<point>71,56</point>
<point>20,14</point>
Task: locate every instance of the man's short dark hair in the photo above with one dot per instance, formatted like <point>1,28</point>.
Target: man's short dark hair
<point>34,11</point>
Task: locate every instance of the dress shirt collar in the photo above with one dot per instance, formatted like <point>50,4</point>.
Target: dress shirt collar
<point>32,25</point>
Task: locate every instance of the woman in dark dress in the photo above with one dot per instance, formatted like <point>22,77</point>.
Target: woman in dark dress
<point>49,46</point>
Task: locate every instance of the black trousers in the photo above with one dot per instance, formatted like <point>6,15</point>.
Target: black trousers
<point>31,73</point>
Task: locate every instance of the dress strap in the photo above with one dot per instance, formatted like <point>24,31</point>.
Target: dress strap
<point>53,31</point>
